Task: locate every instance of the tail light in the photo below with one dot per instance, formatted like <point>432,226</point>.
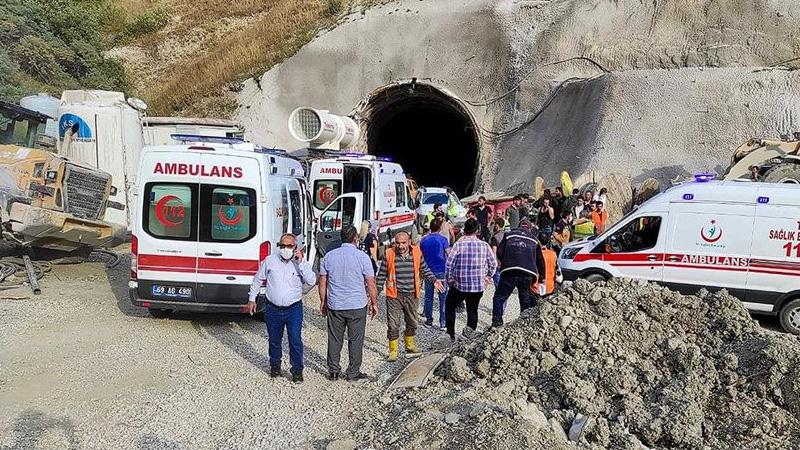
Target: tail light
<point>264,250</point>
<point>134,257</point>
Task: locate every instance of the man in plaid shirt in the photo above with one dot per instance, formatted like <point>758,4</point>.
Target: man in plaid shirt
<point>470,265</point>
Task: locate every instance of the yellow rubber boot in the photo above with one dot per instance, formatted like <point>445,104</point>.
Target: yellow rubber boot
<point>411,347</point>
<point>392,351</point>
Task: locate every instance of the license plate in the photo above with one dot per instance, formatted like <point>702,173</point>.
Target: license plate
<point>172,291</point>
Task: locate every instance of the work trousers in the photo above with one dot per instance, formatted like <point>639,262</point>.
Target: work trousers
<point>354,321</point>
<point>291,318</point>
<point>508,281</point>
<point>405,306</point>
<point>430,291</point>
<point>454,297</point>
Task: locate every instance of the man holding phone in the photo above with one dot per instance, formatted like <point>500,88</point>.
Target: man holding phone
<point>281,276</point>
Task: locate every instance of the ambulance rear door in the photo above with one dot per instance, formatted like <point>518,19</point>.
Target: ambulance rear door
<point>344,210</point>
<point>229,231</point>
<point>166,237</point>
<point>325,183</point>
<point>396,214</point>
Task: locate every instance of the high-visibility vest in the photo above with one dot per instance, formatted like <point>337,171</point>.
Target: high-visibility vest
<point>391,273</point>
<point>549,273</point>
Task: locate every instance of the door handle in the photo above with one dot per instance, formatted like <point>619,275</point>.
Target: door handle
<point>652,257</point>
<point>213,254</point>
<point>674,259</point>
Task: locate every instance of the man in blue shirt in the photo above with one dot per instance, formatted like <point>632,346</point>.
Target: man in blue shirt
<point>434,249</point>
<point>346,289</point>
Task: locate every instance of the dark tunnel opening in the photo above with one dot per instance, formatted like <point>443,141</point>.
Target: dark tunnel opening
<point>426,131</point>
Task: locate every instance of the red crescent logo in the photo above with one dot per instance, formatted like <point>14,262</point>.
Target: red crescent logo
<point>166,212</point>
<point>223,217</point>
<point>711,239</point>
<point>326,195</point>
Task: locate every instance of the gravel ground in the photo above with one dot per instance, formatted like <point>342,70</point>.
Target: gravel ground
<point>82,368</point>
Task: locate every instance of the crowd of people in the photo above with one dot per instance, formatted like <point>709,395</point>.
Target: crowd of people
<point>514,249</point>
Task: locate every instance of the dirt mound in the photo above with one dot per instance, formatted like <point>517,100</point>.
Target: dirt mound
<point>645,367</point>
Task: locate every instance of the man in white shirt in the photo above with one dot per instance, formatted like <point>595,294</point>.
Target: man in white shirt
<point>282,276</point>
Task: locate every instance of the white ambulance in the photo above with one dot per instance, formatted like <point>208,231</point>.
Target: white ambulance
<point>354,187</point>
<point>207,212</point>
<point>740,236</point>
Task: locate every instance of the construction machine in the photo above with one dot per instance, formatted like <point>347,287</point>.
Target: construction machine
<point>47,200</point>
<point>777,160</point>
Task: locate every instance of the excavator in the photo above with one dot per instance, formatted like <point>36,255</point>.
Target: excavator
<point>776,160</point>
<point>47,200</point>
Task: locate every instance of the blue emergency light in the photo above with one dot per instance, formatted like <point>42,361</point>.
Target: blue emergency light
<point>704,177</point>
<point>270,150</point>
<point>208,139</point>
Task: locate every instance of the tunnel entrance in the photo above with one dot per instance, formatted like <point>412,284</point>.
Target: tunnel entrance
<point>430,133</point>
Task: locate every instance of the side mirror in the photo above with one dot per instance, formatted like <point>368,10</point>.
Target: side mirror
<point>51,175</point>
<point>114,191</point>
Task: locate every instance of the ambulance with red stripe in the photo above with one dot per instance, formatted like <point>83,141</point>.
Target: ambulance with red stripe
<point>353,187</point>
<point>207,212</point>
<point>739,236</point>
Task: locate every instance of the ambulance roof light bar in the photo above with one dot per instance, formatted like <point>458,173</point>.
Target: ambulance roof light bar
<point>184,138</point>
<point>704,177</point>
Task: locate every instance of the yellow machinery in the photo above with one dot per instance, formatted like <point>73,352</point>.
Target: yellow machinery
<point>777,160</point>
<point>47,200</point>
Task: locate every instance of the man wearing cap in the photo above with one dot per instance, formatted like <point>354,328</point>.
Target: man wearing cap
<point>521,261</point>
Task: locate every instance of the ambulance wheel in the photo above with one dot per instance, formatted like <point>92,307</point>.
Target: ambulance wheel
<point>790,316</point>
<point>783,173</point>
<point>595,278</point>
<point>159,313</point>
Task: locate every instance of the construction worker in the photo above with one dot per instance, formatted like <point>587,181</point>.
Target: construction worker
<point>520,262</point>
<point>402,271</point>
<point>544,285</point>
<point>437,208</point>
<point>452,204</point>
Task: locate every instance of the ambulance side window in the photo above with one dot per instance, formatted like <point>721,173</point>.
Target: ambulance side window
<point>400,192</point>
<point>638,235</point>
<point>170,211</point>
<point>297,214</point>
<point>227,213</point>
<point>325,191</point>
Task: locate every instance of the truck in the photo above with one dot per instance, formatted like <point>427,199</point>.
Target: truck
<point>47,200</point>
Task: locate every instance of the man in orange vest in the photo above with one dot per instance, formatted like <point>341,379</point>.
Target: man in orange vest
<point>402,271</point>
<point>599,217</point>
<point>552,273</point>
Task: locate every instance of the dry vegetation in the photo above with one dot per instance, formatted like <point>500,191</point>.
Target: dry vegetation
<point>225,43</point>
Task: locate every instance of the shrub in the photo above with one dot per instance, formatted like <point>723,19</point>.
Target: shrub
<point>147,22</point>
<point>335,7</point>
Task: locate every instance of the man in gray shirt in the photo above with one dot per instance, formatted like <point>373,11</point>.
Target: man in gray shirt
<point>346,290</point>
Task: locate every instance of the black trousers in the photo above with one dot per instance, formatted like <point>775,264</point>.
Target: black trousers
<point>454,297</point>
<point>508,282</point>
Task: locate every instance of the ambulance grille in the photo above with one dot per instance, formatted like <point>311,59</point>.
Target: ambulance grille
<point>84,192</point>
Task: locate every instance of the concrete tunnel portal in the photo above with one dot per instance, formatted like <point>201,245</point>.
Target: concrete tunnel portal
<point>429,132</point>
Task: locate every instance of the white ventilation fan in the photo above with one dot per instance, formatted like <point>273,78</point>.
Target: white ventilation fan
<point>323,130</point>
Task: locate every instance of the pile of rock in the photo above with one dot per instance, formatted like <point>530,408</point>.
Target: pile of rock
<point>624,364</point>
